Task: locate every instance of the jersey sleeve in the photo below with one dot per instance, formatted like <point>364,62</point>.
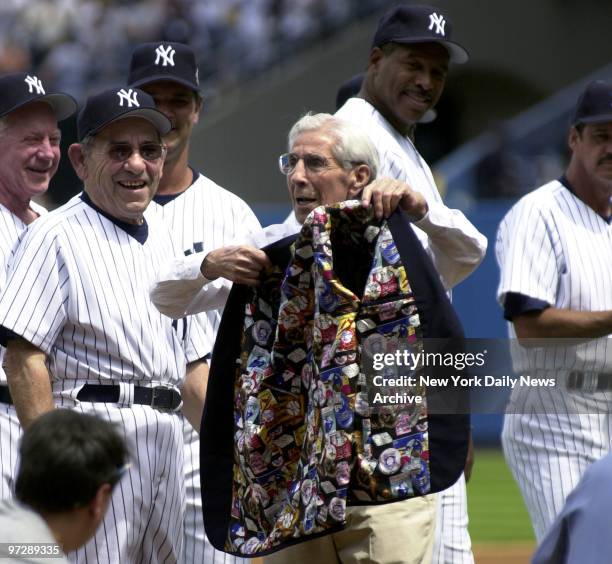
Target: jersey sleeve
<point>454,244</point>
<point>525,252</point>
<point>34,300</point>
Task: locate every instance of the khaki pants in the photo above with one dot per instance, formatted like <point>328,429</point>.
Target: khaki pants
<point>395,533</point>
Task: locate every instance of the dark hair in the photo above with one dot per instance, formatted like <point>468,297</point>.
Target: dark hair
<point>579,127</point>
<point>65,456</point>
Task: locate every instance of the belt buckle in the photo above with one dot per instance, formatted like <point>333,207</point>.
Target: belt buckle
<point>156,390</point>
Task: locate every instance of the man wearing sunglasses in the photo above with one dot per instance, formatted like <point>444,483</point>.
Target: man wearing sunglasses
<point>85,334</point>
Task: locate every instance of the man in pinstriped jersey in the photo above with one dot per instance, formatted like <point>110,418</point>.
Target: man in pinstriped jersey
<point>29,157</point>
<point>554,248</point>
<point>202,216</point>
<point>85,334</point>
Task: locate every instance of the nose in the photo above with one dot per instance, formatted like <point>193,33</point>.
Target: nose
<point>135,163</point>
<point>165,109</point>
<point>46,150</point>
<point>298,175</point>
<point>424,79</point>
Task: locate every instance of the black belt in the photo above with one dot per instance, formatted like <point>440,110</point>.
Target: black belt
<point>158,397</point>
<point>594,381</point>
<point>5,395</point>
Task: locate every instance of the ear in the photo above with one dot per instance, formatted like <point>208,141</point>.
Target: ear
<point>361,178</point>
<point>376,55</point>
<point>77,158</point>
<point>573,138</point>
<point>99,504</point>
<point>199,103</point>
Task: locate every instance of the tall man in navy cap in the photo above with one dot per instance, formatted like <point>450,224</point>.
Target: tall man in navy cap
<point>405,77</point>
<point>29,157</point>
<point>202,216</point>
<point>85,334</point>
<point>554,248</point>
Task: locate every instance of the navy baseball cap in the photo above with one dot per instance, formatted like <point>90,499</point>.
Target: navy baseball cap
<point>115,104</point>
<point>19,88</point>
<point>410,23</point>
<point>164,61</point>
<point>595,103</point>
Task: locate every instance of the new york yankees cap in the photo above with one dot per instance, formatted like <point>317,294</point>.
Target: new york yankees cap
<point>416,23</point>
<point>115,104</point>
<point>164,61</point>
<point>595,103</point>
<point>20,88</point>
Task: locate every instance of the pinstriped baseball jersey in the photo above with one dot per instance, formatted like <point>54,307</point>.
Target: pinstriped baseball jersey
<point>553,248</point>
<point>206,217</point>
<point>11,229</point>
<point>87,304</point>
<point>202,218</point>
<point>87,307</point>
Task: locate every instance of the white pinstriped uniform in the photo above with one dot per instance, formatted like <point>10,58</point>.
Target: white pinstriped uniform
<point>203,218</point>
<point>456,248</point>
<point>11,228</point>
<point>78,290</point>
<point>552,247</point>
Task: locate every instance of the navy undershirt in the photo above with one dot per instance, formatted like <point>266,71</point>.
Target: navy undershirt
<point>163,199</point>
<point>139,232</point>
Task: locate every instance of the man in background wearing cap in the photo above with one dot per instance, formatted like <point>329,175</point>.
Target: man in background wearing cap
<point>554,248</point>
<point>86,335</point>
<point>202,216</point>
<point>405,77</point>
<point>29,157</point>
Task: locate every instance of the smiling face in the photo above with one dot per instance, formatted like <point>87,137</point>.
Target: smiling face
<point>29,151</point>
<point>329,183</point>
<point>404,81</point>
<point>122,188</point>
<point>182,107</point>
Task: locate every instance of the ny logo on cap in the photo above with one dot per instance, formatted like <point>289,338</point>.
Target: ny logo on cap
<point>165,55</point>
<point>130,97</point>
<point>34,84</point>
<point>438,21</point>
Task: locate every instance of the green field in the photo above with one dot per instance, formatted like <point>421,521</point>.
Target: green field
<point>496,509</point>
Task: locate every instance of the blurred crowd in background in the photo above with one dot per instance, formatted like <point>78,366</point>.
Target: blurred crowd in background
<point>81,46</point>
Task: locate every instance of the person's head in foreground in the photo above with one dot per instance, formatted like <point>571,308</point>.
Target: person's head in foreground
<point>69,464</point>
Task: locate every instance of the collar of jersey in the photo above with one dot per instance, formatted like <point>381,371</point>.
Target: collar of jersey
<point>163,199</point>
<point>139,232</point>
<point>565,182</point>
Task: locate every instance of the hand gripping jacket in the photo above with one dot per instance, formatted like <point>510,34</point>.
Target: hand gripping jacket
<point>294,428</point>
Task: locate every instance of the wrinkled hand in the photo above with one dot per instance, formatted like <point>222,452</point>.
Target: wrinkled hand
<point>386,194</point>
<point>238,263</point>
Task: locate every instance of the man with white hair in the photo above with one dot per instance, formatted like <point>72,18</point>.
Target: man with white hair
<point>29,157</point>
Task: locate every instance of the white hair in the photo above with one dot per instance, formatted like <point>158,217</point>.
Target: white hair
<point>352,147</point>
